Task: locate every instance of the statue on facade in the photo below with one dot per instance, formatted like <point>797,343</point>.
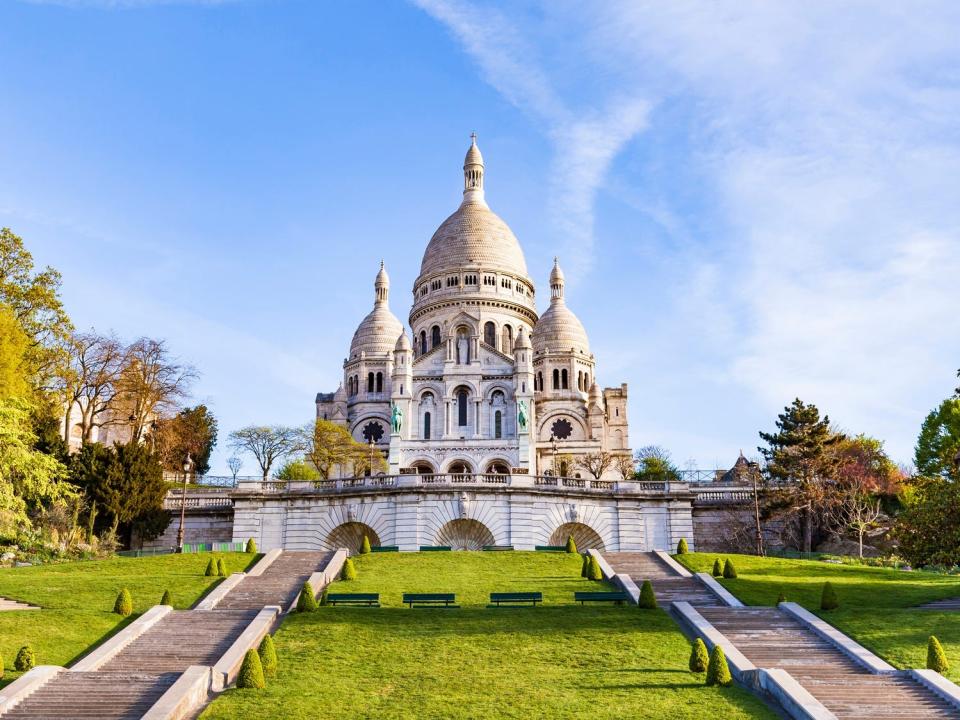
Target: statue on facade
<point>396,417</point>
<point>463,349</point>
<point>522,414</point>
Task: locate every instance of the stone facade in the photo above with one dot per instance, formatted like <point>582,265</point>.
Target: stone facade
<point>486,385</point>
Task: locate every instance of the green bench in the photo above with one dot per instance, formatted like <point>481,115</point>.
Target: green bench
<point>515,598</point>
<point>385,548</point>
<point>497,548</point>
<point>551,548</point>
<point>615,597</point>
<point>368,599</point>
<point>430,599</point>
<point>435,548</point>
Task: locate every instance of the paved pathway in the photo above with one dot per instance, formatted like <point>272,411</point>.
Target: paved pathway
<point>126,686</point>
<point>770,638</point>
<point>946,604</point>
<point>7,604</point>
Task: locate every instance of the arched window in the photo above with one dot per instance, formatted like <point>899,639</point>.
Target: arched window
<point>539,382</point>
<point>461,408</point>
<point>580,380</point>
<point>507,339</point>
<point>490,334</point>
<point>556,379</point>
<point>370,382</point>
<point>434,336</point>
<point>380,381</point>
<point>423,342</point>
<point>498,425</point>
<point>426,426</point>
<point>563,379</point>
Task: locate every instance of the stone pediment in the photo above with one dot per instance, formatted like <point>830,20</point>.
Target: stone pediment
<point>492,359</point>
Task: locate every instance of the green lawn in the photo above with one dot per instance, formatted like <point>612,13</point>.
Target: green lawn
<point>875,603</point>
<point>77,600</point>
<point>555,661</point>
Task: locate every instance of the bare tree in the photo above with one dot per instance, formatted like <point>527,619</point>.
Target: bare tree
<point>266,444</point>
<point>625,465</point>
<point>858,511</point>
<point>95,365</point>
<point>151,383</point>
<point>234,463</point>
<point>596,463</point>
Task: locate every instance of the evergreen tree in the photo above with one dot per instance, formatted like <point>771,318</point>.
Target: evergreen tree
<point>211,570</point>
<point>699,657</point>
<point>648,599</point>
<point>365,546</point>
<point>718,673</point>
<point>729,571</point>
<point>585,567</point>
<point>717,568</point>
<point>682,547</point>
<point>781,598</point>
<point>25,659</point>
<point>939,442</point>
<point>798,457</point>
<point>2,672</point>
<point>828,598</point>
<point>936,657</point>
<point>124,604</point>
<point>251,672</point>
<point>349,571</point>
<point>307,602</point>
<point>593,571</point>
<point>571,546</point>
<point>268,656</point>
<point>251,546</point>
<point>221,567</point>
<point>166,599</point>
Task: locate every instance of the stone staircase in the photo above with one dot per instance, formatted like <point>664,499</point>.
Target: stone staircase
<point>132,681</point>
<point>770,638</point>
<point>667,585</point>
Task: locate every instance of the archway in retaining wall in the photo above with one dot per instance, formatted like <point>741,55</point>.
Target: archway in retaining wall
<point>584,536</point>
<point>350,536</point>
<point>465,535</point>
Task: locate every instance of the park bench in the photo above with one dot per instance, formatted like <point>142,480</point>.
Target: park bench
<point>515,598</point>
<point>434,548</point>
<point>430,599</point>
<point>551,548</point>
<point>497,548</point>
<point>615,597</point>
<point>368,599</point>
<point>385,548</point>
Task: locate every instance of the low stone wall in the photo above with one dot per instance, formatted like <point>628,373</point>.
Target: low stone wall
<point>201,525</point>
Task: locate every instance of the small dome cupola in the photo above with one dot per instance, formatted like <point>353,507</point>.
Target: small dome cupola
<point>378,332</point>
<point>382,286</point>
<point>558,329</point>
<point>473,173</point>
<point>556,282</point>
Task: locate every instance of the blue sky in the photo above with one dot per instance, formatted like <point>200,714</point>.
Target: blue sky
<point>751,201</point>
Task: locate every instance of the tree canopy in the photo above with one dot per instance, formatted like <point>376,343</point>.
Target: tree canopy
<point>937,452</point>
<point>193,432</point>
<point>267,443</point>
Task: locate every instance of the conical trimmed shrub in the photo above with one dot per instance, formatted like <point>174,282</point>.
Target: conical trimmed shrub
<point>251,672</point>
<point>699,657</point>
<point>323,598</point>
<point>781,598</point>
<point>828,598</point>
<point>571,546</point>
<point>124,604</point>
<point>729,571</point>
<point>268,656</point>
<point>594,572</point>
<point>349,571</point>
<point>718,673</point>
<point>682,547</point>
<point>211,570</point>
<point>365,545</point>
<point>25,659</point>
<point>648,600</point>
<point>308,600</point>
<point>936,657</point>
<point>166,599</point>
<point>585,567</point>
<point>251,546</point>
<point>717,568</point>
<point>221,567</point>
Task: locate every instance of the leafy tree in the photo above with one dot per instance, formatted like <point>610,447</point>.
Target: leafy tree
<point>29,479</point>
<point>330,446</point>
<point>798,457</point>
<point>718,672</point>
<point>937,452</point>
<point>34,298</point>
<point>929,527</point>
<point>193,432</point>
<point>655,465</point>
<point>151,383</point>
<point>699,657</point>
<point>267,444</point>
<point>297,470</point>
<point>15,348</point>
<point>251,672</point>
<point>936,657</point>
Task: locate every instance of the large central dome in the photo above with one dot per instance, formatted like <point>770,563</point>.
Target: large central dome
<point>474,236</point>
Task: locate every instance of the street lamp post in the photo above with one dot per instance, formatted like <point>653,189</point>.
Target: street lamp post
<point>187,465</point>
<point>553,457</point>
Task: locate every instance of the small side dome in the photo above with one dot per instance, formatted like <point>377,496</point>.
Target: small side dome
<point>403,343</point>
<point>558,329</point>
<point>377,333</point>
<point>522,342</point>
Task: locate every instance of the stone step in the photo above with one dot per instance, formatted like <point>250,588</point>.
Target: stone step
<point>667,585</point>
<point>102,695</point>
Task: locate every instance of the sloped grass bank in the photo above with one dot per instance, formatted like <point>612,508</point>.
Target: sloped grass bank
<point>77,600</point>
<point>877,605</point>
<point>559,660</point>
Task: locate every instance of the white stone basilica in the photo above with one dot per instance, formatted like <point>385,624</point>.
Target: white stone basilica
<point>486,386</point>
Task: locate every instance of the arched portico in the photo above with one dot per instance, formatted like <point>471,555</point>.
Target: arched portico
<point>350,535</point>
<point>584,536</point>
<point>464,535</point>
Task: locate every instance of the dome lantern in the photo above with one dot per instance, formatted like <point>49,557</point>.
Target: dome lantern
<point>473,173</point>
<point>381,286</point>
